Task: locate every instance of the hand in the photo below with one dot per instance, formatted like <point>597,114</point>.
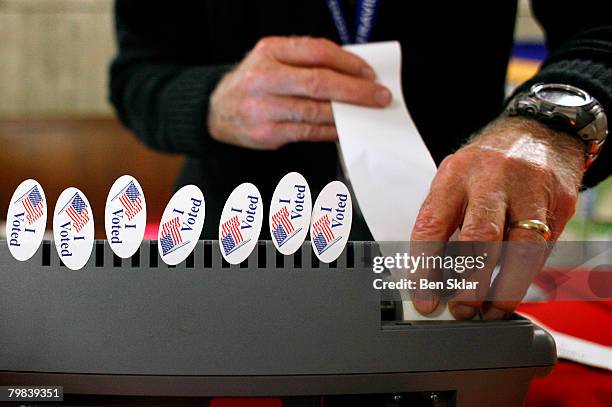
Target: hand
<point>515,169</point>
<point>281,92</point>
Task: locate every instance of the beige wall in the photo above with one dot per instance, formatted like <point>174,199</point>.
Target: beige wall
<point>527,29</point>
<point>54,55</point>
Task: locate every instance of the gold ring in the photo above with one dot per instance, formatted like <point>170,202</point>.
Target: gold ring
<point>532,224</point>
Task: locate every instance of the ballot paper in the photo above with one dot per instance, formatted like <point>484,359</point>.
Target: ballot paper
<point>576,349</point>
<point>388,164</point>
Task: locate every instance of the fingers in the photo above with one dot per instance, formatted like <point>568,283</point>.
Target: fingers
<point>273,135</point>
<point>326,84</point>
<point>281,92</point>
<point>524,256</point>
<point>315,52</point>
<point>269,122</point>
<point>296,132</point>
<point>293,109</point>
<point>483,225</point>
<point>438,218</point>
<point>442,210</point>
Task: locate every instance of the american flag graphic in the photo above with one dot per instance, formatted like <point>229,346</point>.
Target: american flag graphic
<point>231,237</point>
<point>33,204</point>
<point>131,201</point>
<point>78,213</point>
<point>281,225</point>
<point>323,235</point>
<point>171,235</point>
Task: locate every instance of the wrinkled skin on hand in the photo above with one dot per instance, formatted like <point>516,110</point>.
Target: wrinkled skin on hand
<point>514,169</point>
<point>281,91</point>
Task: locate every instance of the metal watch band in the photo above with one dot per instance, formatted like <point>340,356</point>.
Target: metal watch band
<point>586,120</point>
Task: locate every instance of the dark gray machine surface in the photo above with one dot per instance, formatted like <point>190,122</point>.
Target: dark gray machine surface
<point>272,325</point>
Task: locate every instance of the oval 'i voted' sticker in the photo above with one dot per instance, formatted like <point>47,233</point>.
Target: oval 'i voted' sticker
<point>240,223</point>
<point>73,228</point>
<point>290,212</point>
<point>125,216</point>
<point>26,220</point>
<point>331,221</point>
<point>181,224</point>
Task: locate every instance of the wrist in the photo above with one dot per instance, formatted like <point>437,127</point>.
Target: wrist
<point>565,108</point>
<point>534,142</point>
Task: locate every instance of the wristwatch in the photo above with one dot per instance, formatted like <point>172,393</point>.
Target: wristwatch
<point>566,108</point>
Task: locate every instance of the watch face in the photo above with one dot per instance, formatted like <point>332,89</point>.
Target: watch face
<point>563,97</point>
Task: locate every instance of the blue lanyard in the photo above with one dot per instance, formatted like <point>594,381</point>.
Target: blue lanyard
<point>364,21</point>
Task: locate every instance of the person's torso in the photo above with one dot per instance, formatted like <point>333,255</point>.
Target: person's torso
<point>455,56</point>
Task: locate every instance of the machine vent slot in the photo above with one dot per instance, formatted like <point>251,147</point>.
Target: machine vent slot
<point>367,254</point>
<point>261,255</point>
<point>207,254</point>
<point>297,259</point>
<point>99,254</point>
<point>350,255</point>
<point>280,260</point>
<point>208,257</point>
<point>153,254</point>
<point>314,260</point>
<point>190,260</point>
<point>46,254</point>
<point>136,259</point>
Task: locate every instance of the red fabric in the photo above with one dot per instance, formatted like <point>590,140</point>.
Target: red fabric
<point>576,284</point>
<point>587,320</point>
<point>572,384</point>
<point>151,231</point>
<point>244,402</point>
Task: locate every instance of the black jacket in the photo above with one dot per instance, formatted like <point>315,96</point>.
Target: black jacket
<point>455,55</point>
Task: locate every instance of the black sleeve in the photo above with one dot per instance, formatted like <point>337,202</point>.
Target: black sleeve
<point>579,43</point>
<point>160,82</point>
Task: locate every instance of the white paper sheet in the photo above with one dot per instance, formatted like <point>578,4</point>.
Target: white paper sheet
<point>577,349</point>
<point>388,164</point>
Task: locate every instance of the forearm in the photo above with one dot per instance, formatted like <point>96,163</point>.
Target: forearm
<point>595,79</point>
<point>580,54</point>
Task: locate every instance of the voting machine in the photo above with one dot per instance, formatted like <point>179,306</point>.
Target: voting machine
<point>278,327</point>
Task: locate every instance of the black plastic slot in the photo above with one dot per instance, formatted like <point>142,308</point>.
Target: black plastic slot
<point>261,255</point>
<point>46,254</point>
<point>99,254</point>
<point>189,263</point>
<point>117,261</point>
<point>333,264</point>
<point>280,260</point>
<point>314,260</point>
<point>207,254</point>
<point>153,254</point>
<point>390,311</point>
<point>297,259</point>
<point>224,263</point>
<point>245,264</point>
<point>367,255</point>
<point>136,259</point>
<point>350,255</point>
<point>62,264</point>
